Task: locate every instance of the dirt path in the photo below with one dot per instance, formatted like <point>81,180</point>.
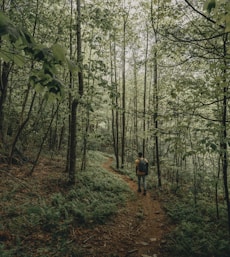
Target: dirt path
<point>136,231</point>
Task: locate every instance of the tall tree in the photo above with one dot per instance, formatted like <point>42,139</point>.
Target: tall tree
<point>156,97</point>
<point>75,102</point>
<point>145,91</point>
<point>123,136</point>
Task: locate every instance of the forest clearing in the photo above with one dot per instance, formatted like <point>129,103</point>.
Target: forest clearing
<point>87,82</point>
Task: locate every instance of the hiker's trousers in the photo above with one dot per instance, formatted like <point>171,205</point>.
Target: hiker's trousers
<point>143,178</point>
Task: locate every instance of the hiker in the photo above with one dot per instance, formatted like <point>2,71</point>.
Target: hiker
<point>141,171</point>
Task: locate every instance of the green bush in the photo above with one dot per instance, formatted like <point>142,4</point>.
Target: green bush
<point>198,232</point>
<point>50,218</point>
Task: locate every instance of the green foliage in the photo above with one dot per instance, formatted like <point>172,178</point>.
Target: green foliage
<point>128,172</point>
<point>220,9</point>
<point>6,252</point>
<point>94,200</point>
<point>18,44</point>
<point>209,5</point>
<point>198,232</point>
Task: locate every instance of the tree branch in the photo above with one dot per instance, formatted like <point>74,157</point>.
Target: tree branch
<point>202,14</point>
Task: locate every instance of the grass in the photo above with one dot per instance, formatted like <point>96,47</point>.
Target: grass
<point>40,213</point>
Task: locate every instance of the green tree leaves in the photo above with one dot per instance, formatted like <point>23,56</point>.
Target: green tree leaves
<point>220,9</point>
<point>17,45</point>
<point>209,5</point>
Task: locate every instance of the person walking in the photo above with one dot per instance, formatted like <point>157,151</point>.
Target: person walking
<point>141,171</point>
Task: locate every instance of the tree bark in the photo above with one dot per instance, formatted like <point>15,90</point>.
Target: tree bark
<point>73,122</point>
<point>123,93</point>
<point>156,101</point>
<point>73,141</point>
<point>135,106</point>
<point>115,115</point>
<point>224,141</point>
<point>145,90</point>
<point>5,71</point>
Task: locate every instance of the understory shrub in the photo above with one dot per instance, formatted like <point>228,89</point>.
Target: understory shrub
<point>198,232</point>
<point>48,220</point>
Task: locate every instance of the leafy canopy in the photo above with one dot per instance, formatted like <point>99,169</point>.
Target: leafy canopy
<point>17,45</point>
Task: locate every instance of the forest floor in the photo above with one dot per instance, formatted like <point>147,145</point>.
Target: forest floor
<point>138,230</point>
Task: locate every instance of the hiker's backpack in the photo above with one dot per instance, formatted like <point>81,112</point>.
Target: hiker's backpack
<point>143,166</point>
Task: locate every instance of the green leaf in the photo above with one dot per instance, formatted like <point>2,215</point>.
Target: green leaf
<point>213,146</point>
<point>59,53</point>
<point>5,56</point>
<point>209,5</point>
<point>39,88</point>
<point>7,28</point>
<point>71,65</point>
<point>17,59</point>
<point>4,23</point>
<point>26,38</point>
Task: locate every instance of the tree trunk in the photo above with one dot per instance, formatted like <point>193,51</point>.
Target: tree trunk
<point>73,122</point>
<point>115,119</point>
<point>123,95</point>
<point>70,87</point>
<point>156,101</point>
<point>224,138</point>
<point>135,106</point>
<point>43,141</point>
<point>145,90</point>
<point>73,141</point>
<point>21,126</point>
<point>5,70</point>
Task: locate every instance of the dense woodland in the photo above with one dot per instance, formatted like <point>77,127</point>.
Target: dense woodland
<point>121,77</point>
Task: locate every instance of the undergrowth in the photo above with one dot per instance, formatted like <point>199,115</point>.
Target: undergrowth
<point>41,222</point>
<point>198,232</point>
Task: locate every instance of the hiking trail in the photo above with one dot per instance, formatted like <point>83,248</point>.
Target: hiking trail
<point>136,231</point>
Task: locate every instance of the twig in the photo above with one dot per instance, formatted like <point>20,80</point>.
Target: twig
<point>132,251</point>
<point>86,240</point>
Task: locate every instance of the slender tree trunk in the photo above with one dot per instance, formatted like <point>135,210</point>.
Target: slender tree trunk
<point>70,86</point>
<point>43,141</point>
<point>224,149</point>
<point>20,128</point>
<point>125,18</point>
<point>79,50</point>
<point>145,90</point>
<point>115,125</point>
<point>156,100</point>
<point>117,113</point>
<point>73,141</point>
<point>135,105</point>
<point>73,127</point>
<point>216,189</point>
<point>4,72</point>
<point>224,141</point>
<point>87,120</point>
